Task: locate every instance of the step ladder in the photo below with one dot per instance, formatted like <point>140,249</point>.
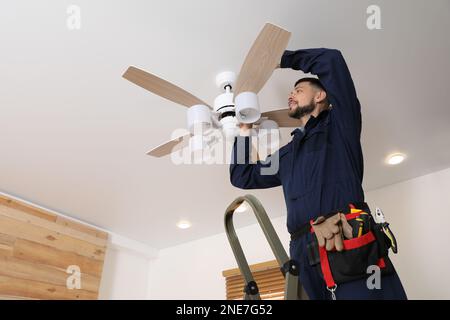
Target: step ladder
<point>293,289</point>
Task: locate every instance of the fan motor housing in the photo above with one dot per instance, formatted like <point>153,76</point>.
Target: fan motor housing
<point>224,107</point>
<point>224,79</point>
<point>224,102</point>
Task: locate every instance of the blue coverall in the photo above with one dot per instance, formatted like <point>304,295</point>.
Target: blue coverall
<point>320,169</point>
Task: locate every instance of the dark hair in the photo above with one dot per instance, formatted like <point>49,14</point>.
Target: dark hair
<point>315,83</point>
<point>312,81</point>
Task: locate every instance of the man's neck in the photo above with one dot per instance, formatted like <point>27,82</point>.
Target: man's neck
<point>303,120</point>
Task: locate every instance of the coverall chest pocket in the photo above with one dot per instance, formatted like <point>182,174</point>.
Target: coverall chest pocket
<point>316,140</point>
<point>308,163</point>
<point>284,157</point>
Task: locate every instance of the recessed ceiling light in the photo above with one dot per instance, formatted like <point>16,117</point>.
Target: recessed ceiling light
<point>241,208</point>
<point>395,158</point>
<point>183,224</point>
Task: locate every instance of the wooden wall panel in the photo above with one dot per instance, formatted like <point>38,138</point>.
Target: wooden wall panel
<point>37,247</point>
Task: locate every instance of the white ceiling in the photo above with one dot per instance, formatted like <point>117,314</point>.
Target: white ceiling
<point>73,133</point>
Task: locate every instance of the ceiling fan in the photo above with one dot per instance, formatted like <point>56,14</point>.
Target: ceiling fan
<point>237,104</point>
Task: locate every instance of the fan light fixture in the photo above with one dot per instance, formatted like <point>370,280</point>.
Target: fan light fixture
<point>247,107</point>
<point>238,101</point>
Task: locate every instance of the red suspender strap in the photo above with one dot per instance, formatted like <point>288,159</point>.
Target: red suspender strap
<point>354,215</point>
<point>326,270</point>
<point>348,245</point>
<point>381,263</point>
<point>359,242</point>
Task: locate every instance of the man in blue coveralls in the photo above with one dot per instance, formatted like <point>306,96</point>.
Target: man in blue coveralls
<point>320,169</point>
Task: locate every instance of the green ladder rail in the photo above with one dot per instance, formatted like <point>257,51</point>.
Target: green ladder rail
<point>293,290</point>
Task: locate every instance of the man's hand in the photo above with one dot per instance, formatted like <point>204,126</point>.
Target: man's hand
<point>246,131</point>
<point>330,232</point>
<point>245,128</point>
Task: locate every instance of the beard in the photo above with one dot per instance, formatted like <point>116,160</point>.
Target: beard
<point>301,111</point>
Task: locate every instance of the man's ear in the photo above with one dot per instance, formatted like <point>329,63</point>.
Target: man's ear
<point>321,96</point>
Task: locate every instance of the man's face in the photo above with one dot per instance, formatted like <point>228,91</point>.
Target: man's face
<point>301,100</point>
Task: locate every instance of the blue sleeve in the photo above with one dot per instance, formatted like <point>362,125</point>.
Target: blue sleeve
<point>246,175</point>
<point>330,67</point>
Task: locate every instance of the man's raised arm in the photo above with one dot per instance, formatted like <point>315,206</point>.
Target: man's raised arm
<point>329,65</point>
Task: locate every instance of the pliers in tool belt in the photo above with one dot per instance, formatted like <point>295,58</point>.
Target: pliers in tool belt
<point>379,218</point>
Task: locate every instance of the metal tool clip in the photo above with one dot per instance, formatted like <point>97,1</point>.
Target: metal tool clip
<point>379,218</point>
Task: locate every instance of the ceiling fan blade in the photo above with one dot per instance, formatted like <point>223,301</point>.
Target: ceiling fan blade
<point>262,59</point>
<point>170,146</point>
<point>282,118</point>
<point>161,87</point>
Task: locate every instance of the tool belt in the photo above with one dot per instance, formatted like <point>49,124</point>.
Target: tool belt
<point>368,247</point>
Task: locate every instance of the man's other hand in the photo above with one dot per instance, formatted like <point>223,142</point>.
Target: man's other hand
<point>245,128</point>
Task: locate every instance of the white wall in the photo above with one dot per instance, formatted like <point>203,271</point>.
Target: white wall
<point>126,269</point>
<point>125,274</point>
<point>419,213</point>
<point>194,270</point>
